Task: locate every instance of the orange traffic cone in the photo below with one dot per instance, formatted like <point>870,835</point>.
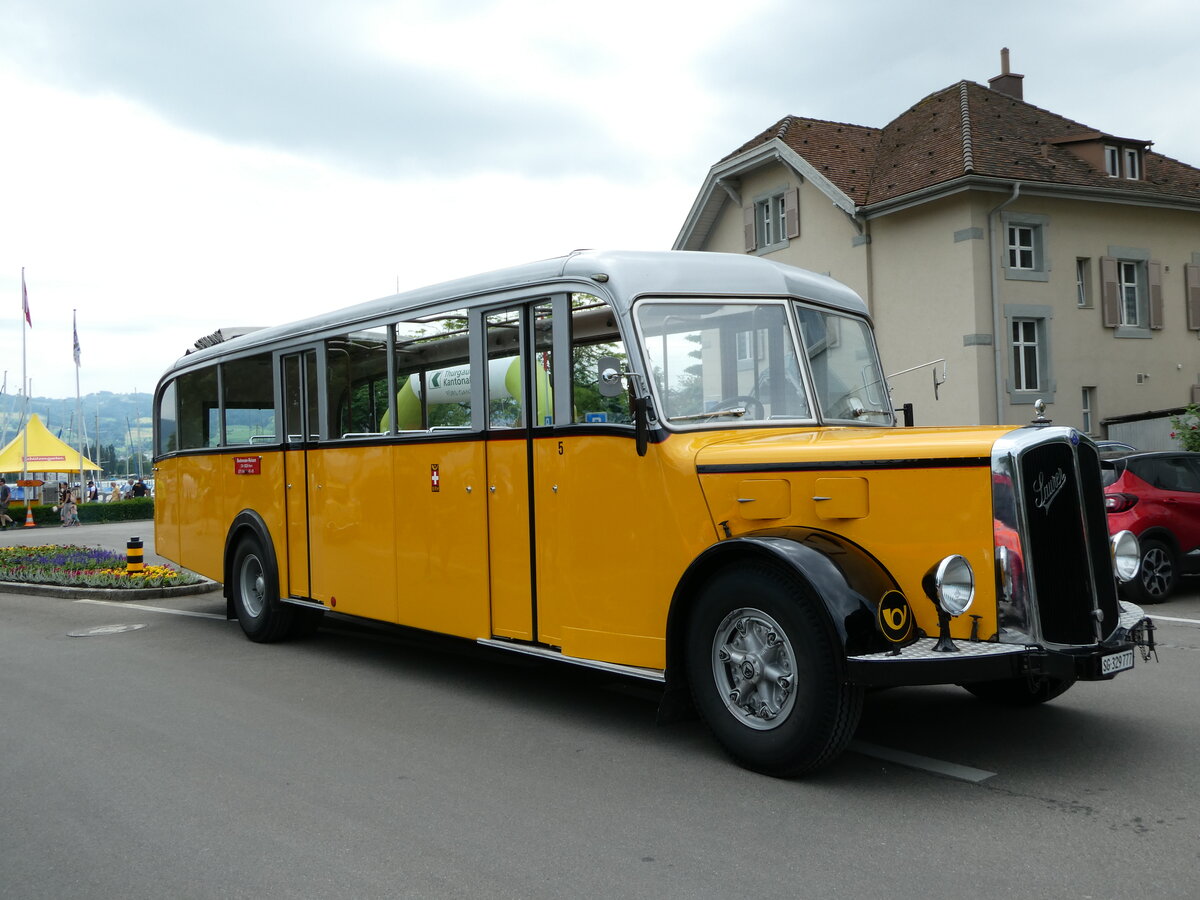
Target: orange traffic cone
<point>29,523</point>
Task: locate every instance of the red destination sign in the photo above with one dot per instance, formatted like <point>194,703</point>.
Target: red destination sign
<point>247,465</point>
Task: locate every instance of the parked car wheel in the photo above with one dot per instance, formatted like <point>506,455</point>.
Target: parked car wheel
<point>1158,574</point>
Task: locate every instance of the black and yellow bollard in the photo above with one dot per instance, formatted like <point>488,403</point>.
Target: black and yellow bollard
<point>133,557</point>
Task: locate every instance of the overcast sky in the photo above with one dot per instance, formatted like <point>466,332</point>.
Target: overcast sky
<point>169,168</point>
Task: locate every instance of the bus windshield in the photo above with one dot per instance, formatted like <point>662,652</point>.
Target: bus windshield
<point>844,367</point>
<point>734,363</point>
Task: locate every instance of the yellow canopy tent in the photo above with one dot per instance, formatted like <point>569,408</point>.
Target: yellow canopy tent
<point>45,452</point>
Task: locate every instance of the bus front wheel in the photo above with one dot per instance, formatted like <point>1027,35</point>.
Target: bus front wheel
<point>255,587</point>
<point>763,669</point>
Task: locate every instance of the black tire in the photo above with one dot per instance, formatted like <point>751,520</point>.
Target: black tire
<point>1158,573</point>
<point>765,672</point>
<point>1020,691</point>
<point>254,584</point>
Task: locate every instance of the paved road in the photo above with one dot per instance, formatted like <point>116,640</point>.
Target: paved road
<point>180,760</point>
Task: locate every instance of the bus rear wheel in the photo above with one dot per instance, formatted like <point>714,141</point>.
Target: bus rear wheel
<point>764,672</point>
<point>255,587</point>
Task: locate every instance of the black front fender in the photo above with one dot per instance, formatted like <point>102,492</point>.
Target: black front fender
<point>846,580</point>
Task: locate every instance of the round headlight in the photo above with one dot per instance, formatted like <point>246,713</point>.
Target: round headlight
<point>1126,555</point>
<point>951,585</point>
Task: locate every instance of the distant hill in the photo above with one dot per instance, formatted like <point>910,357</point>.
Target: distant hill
<point>120,423</point>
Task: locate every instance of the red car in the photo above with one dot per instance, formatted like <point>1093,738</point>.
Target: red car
<point>1157,497</point>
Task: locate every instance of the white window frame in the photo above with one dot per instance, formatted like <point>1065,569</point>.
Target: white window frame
<point>1083,282</point>
<point>1132,160</point>
<point>1021,261</point>
<point>1020,386</point>
<point>770,218</point>
<point>1128,286</point>
<point>1024,337</point>
<point>770,221</point>
<point>1112,161</point>
<point>1021,252</point>
<point>1088,406</point>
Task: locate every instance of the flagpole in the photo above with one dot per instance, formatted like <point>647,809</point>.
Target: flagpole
<point>78,400</point>
<point>24,383</point>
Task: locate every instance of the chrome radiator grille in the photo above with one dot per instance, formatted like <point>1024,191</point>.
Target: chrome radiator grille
<point>1063,591</point>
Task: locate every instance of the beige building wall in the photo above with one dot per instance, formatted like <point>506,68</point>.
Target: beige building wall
<point>827,235</point>
<point>927,276</point>
<point>1155,370</point>
<point>925,263</point>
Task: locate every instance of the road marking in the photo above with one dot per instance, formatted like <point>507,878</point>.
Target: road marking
<point>1171,619</point>
<point>925,763</point>
<point>159,609</point>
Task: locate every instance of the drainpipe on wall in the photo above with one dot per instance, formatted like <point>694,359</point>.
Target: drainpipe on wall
<point>994,264</point>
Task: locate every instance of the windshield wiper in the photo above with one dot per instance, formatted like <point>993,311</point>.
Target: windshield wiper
<point>738,411</point>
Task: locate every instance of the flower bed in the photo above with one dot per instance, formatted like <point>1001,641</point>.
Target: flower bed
<point>74,566</point>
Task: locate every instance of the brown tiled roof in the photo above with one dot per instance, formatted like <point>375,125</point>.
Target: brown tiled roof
<point>844,153</point>
<point>964,129</point>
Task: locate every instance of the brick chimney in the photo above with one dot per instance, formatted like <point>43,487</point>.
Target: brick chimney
<point>1007,82</point>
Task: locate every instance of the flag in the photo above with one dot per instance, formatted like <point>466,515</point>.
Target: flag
<point>25,299</point>
<point>75,335</point>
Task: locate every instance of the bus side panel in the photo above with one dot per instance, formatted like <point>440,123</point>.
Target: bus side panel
<point>441,537</point>
<point>897,513</point>
<point>167,509</point>
<point>351,530</point>
<point>612,543</point>
<point>206,507</point>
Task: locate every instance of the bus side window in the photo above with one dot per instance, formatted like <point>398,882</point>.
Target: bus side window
<point>356,382</point>
<point>248,387</point>
<point>594,335</point>
<point>198,425</point>
<point>433,374</point>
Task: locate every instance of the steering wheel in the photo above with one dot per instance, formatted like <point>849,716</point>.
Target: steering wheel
<point>754,407</point>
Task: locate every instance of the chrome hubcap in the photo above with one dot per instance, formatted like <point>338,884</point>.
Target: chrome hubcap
<point>753,666</point>
<point>253,586</point>
<point>1156,572</point>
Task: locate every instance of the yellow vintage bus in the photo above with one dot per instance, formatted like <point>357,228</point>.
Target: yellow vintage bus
<point>683,467</point>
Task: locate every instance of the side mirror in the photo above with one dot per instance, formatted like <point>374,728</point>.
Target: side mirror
<point>609,378</point>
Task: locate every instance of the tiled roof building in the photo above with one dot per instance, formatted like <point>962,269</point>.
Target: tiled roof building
<point>1041,257</point>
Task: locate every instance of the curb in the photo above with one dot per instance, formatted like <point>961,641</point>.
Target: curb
<point>65,592</point>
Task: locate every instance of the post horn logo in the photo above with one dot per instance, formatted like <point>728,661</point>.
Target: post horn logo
<point>895,618</point>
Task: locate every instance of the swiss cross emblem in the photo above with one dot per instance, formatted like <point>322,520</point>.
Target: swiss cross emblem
<point>435,479</point>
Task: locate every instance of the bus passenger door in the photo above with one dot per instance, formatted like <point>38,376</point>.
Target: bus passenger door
<point>509,549</point>
<point>300,423</point>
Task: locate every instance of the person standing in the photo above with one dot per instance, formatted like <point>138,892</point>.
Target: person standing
<point>5,496</point>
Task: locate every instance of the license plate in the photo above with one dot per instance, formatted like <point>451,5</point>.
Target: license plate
<point>1116,662</point>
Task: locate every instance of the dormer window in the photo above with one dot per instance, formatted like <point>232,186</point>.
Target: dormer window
<point>1123,162</point>
<point>1133,163</point>
<point>1112,161</point>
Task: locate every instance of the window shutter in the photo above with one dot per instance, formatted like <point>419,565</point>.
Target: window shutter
<point>748,226</point>
<point>791,212</point>
<point>1191,280</point>
<point>1110,296</point>
<point>1154,270</point>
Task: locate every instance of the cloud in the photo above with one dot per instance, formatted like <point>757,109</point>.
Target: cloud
<point>303,78</point>
<point>868,63</point>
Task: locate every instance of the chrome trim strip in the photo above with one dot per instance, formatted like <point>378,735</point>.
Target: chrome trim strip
<point>307,604</point>
<point>546,653</point>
